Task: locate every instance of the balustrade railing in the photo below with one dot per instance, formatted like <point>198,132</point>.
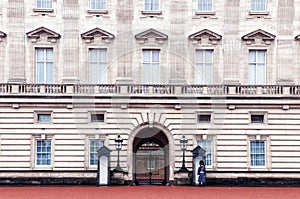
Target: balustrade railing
<point>141,89</point>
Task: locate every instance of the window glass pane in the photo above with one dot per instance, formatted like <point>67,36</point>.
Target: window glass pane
<point>261,55</point>
<point>97,117</point>
<point>49,73</point>
<point>97,66</point>
<point>43,152</point>
<point>94,146</point>
<point>44,117</point>
<point>146,56</point>
<point>151,66</point>
<point>40,72</point>
<point>204,67</point>
<point>49,55</point>
<point>207,146</point>
<point>155,56</point>
<point>40,54</point>
<point>204,5</point>
<point>257,153</point>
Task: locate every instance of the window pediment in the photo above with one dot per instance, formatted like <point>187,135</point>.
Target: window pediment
<point>2,35</point>
<point>151,35</point>
<point>258,37</point>
<point>97,33</point>
<point>205,36</point>
<point>43,34</point>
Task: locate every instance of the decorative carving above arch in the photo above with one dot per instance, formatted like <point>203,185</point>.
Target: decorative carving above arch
<point>97,34</point>
<point>43,34</point>
<point>2,35</point>
<point>205,36</point>
<point>151,35</point>
<point>258,37</point>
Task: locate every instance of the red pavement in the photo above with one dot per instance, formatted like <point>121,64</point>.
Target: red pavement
<point>145,192</point>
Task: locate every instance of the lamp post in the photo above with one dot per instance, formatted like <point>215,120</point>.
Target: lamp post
<point>183,142</point>
<point>118,142</point>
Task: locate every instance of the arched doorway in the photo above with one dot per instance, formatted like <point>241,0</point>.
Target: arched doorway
<point>151,157</point>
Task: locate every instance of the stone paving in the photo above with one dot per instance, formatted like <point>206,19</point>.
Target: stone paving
<point>145,192</point>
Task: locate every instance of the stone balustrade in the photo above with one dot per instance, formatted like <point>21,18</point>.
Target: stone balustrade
<point>144,89</point>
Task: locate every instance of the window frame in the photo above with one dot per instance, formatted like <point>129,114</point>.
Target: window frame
<point>36,154</point>
<point>257,65</point>
<point>205,3</point>
<point>202,66</point>
<point>258,10</point>
<point>203,121</point>
<point>211,160</point>
<point>151,64</point>
<point>103,79</point>
<point>36,117</point>
<point>264,154</point>
<point>42,7</point>
<point>96,10</point>
<point>96,113</point>
<point>101,144</point>
<point>152,3</point>
<point>44,61</point>
<point>264,114</point>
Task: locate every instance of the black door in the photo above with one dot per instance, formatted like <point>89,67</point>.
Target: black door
<point>150,164</point>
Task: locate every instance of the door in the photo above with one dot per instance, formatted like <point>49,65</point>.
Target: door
<point>150,164</point>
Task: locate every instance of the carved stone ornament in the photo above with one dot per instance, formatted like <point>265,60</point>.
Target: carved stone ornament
<point>43,34</point>
<point>297,38</point>
<point>2,35</point>
<point>151,35</point>
<point>205,36</point>
<point>258,37</point>
<point>97,34</point>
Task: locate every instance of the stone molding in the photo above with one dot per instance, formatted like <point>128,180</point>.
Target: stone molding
<point>205,36</point>
<point>151,34</point>
<point>258,37</point>
<point>38,34</point>
<point>91,35</point>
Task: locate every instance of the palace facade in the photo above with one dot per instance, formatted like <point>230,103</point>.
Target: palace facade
<point>163,77</point>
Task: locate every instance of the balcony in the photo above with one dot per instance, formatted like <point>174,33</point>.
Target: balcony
<point>149,90</point>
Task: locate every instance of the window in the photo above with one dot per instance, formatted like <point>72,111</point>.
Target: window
<point>151,73</point>
<point>150,163</point>
<point>44,3</point>
<point>207,146</point>
<point>205,118</point>
<point>44,66</point>
<point>257,67</point>
<point>97,117</point>
<point>44,118</point>
<point>151,5</point>
<point>95,145</point>
<point>43,152</point>
<point>204,66</point>
<point>257,153</point>
<point>258,5</point>
<point>257,118</point>
<point>204,5</point>
<point>98,4</point>
<point>97,66</point>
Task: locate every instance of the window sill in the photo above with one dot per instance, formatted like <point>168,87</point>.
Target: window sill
<point>97,11</point>
<point>205,14</point>
<point>43,10</point>
<point>152,12</point>
<point>256,14</point>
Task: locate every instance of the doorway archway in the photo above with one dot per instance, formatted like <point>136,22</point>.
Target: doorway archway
<point>151,157</point>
